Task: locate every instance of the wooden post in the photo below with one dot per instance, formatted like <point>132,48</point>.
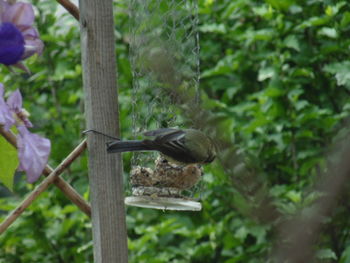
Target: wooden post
<point>101,112</point>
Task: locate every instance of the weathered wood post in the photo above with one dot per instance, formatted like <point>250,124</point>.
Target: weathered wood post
<point>101,112</point>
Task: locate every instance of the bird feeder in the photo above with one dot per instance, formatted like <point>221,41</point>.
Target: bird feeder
<point>163,186</point>
<point>164,56</point>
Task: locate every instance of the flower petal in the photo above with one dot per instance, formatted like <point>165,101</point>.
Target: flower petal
<point>33,43</point>
<point>15,101</point>
<point>6,117</point>
<point>29,32</point>
<point>19,14</point>
<point>31,47</point>
<point>11,44</point>
<point>3,8</point>
<point>33,153</point>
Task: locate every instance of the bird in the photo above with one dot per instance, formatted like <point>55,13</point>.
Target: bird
<point>187,146</point>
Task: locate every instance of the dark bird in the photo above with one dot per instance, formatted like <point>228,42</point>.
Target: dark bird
<point>186,146</point>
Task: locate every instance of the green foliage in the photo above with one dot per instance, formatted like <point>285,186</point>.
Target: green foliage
<point>50,231</point>
<point>8,163</point>
<point>275,73</point>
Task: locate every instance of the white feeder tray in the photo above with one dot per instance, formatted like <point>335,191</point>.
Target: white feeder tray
<point>164,203</point>
<point>165,198</point>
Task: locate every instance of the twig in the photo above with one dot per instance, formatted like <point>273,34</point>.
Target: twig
<point>65,187</point>
<point>42,186</point>
<point>71,8</point>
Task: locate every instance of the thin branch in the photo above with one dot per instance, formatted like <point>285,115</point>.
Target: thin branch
<point>70,192</point>
<point>65,187</point>
<point>42,186</point>
<point>70,7</point>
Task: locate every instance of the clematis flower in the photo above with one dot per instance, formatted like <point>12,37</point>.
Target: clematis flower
<point>6,117</point>
<point>11,44</point>
<point>33,150</point>
<point>18,38</point>
<point>14,102</point>
<point>33,153</point>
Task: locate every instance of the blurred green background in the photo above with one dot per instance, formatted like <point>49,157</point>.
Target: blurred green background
<point>277,75</point>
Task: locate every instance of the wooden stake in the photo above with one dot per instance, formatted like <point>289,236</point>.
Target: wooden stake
<point>101,112</point>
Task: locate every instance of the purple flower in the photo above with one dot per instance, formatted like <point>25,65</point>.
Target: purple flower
<point>14,102</point>
<point>33,150</point>
<point>18,38</point>
<point>11,44</point>
<point>6,117</point>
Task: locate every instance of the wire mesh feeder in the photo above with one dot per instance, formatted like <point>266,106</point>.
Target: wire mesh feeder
<point>164,56</point>
<point>162,187</point>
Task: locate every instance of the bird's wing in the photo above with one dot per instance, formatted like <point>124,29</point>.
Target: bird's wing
<point>177,150</point>
<point>175,135</point>
<point>173,144</point>
<point>161,132</point>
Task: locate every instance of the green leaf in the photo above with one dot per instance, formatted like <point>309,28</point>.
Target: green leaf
<point>292,42</point>
<point>341,71</point>
<point>326,253</point>
<point>213,28</point>
<point>295,9</point>
<point>224,66</point>
<point>333,10</point>
<point>264,11</point>
<point>328,32</point>
<point>345,257</point>
<point>241,233</point>
<point>303,72</point>
<point>8,163</point>
<point>294,196</point>
<point>345,20</point>
<point>281,5</point>
<point>272,92</point>
<point>266,73</point>
<point>314,21</point>
<point>262,34</point>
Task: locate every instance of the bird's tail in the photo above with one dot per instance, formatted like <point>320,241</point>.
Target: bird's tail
<point>127,146</point>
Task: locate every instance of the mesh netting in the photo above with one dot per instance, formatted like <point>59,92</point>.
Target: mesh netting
<point>164,55</point>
